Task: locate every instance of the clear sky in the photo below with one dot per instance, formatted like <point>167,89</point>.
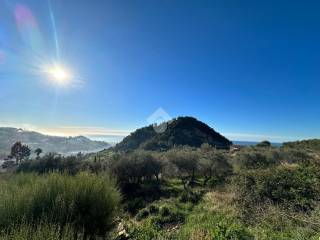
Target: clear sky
<point>249,69</point>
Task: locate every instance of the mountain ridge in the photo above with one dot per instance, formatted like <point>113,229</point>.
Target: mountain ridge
<point>48,143</point>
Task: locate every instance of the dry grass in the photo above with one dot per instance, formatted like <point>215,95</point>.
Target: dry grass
<point>220,201</point>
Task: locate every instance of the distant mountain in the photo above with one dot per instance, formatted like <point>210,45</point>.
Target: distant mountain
<point>64,145</point>
<point>178,132</point>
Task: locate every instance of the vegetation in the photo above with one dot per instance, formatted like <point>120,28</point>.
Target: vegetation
<point>177,193</point>
<point>86,203</point>
<point>20,151</point>
<point>312,145</point>
<point>182,131</point>
<point>52,162</point>
<point>34,140</point>
<point>38,151</point>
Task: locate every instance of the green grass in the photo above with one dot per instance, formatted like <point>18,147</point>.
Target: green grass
<point>215,217</point>
<point>86,202</point>
<point>41,232</point>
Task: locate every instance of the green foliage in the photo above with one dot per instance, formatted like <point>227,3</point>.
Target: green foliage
<point>20,151</point>
<point>134,205</point>
<point>145,231</point>
<point>190,196</point>
<point>296,156</point>
<point>258,158</point>
<point>182,131</point>
<point>168,215</point>
<point>265,144</point>
<point>38,151</point>
<point>41,232</point>
<point>274,194</point>
<point>214,166</point>
<point>186,161</point>
<point>280,223</point>
<point>204,224</point>
<point>297,187</point>
<point>51,162</point>
<point>312,145</point>
<point>142,214</point>
<point>153,209</point>
<point>136,167</point>
<point>87,202</point>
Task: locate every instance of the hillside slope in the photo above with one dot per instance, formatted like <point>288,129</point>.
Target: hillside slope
<point>309,145</point>
<point>64,145</point>
<point>180,131</point>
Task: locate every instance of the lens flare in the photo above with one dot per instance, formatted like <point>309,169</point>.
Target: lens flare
<point>58,74</point>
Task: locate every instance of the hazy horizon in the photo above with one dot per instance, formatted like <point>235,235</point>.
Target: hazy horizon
<point>115,136</point>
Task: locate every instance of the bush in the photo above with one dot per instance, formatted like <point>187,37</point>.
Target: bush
<point>264,144</point>
<point>164,211</point>
<point>296,187</point>
<point>153,209</point>
<point>135,168</point>
<point>258,158</point>
<point>186,162</point>
<point>134,205</point>
<point>210,225</point>
<point>189,196</point>
<point>142,214</point>
<point>51,162</point>
<point>214,166</point>
<point>86,201</point>
<point>168,215</point>
<point>295,156</point>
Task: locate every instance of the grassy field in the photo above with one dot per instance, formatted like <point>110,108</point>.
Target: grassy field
<point>184,193</point>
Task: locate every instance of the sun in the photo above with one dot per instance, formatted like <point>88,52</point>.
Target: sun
<point>58,74</point>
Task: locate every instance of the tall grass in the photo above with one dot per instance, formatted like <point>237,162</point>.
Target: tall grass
<point>86,202</point>
<point>42,232</point>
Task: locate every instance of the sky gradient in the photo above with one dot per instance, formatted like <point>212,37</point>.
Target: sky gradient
<point>249,69</point>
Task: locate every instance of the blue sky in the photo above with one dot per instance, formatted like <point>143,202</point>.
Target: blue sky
<point>249,69</point>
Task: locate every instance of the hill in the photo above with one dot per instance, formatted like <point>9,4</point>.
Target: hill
<point>178,132</point>
<point>308,145</point>
<point>64,145</point>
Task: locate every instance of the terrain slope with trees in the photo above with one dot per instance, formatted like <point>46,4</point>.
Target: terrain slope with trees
<point>182,184</point>
<point>65,145</point>
<point>177,132</point>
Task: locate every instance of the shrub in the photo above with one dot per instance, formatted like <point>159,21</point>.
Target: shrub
<point>153,209</point>
<point>214,167</point>
<point>51,162</point>
<point>145,230</point>
<point>132,206</point>
<point>210,225</point>
<point>186,161</point>
<point>168,215</point>
<point>264,144</point>
<point>86,201</point>
<point>142,214</point>
<point>164,211</point>
<point>296,156</point>
<point>190,196</point>
<point>296,186</point>
<point>258,158</point>
<point>135,168</point>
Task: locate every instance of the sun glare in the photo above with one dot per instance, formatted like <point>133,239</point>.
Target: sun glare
<point>58,74</point>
